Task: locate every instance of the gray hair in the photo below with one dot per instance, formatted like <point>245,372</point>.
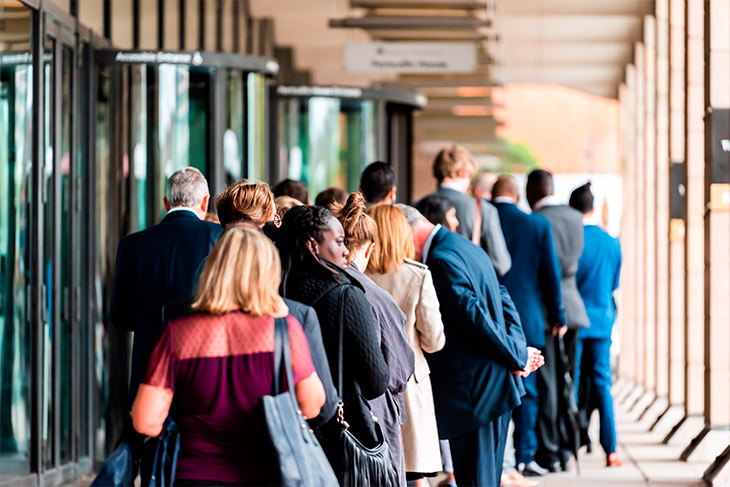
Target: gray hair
<point>186,187</point>
<point>413,216</point>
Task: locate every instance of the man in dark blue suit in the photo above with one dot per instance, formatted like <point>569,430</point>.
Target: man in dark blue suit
<point>533,283</point>
<point>156,266</point>
<point>476,377</point>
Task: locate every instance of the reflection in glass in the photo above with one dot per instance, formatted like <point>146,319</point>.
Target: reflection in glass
<point>139,143</point>
<point>233,142</point>
<point>47,309</point>
<point>323,155</point>
<point>182,134</point>
<point>67,244</point>
<point>16,104</point>
<point>256,88</point>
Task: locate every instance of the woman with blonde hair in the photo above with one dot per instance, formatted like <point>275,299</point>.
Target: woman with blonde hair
<point>219,362</point>
<point>409,282</point>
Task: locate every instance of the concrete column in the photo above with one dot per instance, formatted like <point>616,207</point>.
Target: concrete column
<point>148,32</point>
<point>171,38</point>
<point>648,220</point>
<point>627,317</point>
<point>677,224</point>
<point>121,23</point>
<point>640,212</point>
<point>662,199</point>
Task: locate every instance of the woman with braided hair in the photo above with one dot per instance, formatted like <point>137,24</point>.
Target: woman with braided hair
<point>313,256</point>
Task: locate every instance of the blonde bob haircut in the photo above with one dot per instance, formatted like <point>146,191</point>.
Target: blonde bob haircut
<point>242,272</point>
<point>452,162</point>
<point>393,240</point>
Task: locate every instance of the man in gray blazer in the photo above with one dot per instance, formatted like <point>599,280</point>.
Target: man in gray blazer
<point>567,226</point>
<point>454,168</point>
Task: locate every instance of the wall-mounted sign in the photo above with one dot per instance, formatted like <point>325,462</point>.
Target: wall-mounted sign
<point>161,57</point>
<point>410,57</point>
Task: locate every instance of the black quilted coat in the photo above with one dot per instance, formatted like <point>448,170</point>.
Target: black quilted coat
<point>365,372</point>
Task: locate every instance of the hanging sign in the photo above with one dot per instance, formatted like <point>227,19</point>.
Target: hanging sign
<point>410,57</point>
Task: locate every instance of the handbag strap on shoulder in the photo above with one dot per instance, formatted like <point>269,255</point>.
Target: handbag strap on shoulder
<point>282,352</point>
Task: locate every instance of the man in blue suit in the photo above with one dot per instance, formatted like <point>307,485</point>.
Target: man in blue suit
<point>533,283</point>
<point>156,266</point>
<point>599,268</point>
<point>476,377</point>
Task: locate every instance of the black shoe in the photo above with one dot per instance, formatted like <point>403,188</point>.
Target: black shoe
<point>531,469</point>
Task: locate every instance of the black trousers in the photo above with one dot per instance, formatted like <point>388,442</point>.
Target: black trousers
<point>478,455</point>
<point>550,448</point>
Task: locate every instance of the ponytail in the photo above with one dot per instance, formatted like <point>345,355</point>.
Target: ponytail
<point>359,227</point>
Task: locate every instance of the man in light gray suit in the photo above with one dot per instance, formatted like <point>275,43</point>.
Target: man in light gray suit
<point>567,226</point>
<point>454,168</point>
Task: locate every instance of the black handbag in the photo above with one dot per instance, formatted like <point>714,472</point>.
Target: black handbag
<point>297,457</point>
<point>354,463</point>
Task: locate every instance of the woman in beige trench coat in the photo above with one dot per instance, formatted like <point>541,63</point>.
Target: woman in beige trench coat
<point>410,284</point>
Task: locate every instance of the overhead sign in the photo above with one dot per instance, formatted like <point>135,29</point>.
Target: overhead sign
<point>410,57</point>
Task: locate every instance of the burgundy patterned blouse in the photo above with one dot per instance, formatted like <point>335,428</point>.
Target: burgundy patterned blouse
<point>219,368</point>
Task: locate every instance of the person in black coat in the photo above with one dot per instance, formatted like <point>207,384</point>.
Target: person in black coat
<point>311,244</point>
<point>476,376</point>
<point>157,266</point>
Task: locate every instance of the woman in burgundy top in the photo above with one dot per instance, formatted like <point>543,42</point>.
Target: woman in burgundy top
<point>211,369</point>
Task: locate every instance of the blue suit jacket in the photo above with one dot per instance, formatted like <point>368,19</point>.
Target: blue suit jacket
<point>471,376</point>
<point>598,274</point>
<point>155,267</point>
<point>534,280</point>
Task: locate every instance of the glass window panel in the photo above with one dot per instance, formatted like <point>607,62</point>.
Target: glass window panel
<point>139,145</point>
<point>67,254</point>
<point>322,165</point>
<point>233,141</point>
<point>256,87</point>
<point>16,104</point>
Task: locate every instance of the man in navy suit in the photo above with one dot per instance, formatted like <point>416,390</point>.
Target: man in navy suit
<point>156,266</point>
<point>476,377</point>
<point>533,283</point>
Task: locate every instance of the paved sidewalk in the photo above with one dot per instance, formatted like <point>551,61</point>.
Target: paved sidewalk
<point>647,462</point>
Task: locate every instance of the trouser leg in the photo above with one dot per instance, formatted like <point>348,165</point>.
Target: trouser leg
<point>547,416</point>
<point>602,390</point>
<point>478,454</point>
<point>525,419</point>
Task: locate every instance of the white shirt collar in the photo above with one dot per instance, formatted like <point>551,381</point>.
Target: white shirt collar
<point>505,199</point>
<point>427,245</point>
<point>549,200</point>
<point>182,208</point>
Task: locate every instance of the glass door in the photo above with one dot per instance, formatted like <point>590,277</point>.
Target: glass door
<point>61,260</point>
<point>16,106</point>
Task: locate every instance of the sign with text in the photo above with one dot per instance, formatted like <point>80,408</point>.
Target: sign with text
<point>410,57</point>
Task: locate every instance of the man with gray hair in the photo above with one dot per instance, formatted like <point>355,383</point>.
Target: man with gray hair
<point>156,266</point>
<point>476,377</point>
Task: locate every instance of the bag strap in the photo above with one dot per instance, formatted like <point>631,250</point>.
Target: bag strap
<point>282,352</point>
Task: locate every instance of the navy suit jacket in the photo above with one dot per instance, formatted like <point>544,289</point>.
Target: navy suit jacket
<point>155,267</point>
<point>534,280</point>
<point>471,376</point>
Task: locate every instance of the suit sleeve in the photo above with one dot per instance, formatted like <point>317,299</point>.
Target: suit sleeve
<point>514,327</point>
<point>428,317</point>
<point>550,275</point>
<point>321,365</point>
<point>362,346</point>
<point>468,312</point>
<point>120,308</point>
<point>493,240</point>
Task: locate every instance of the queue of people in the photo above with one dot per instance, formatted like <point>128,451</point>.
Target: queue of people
<point>420,334</point>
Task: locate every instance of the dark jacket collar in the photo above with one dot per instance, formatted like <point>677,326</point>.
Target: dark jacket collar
<point>180,214</point>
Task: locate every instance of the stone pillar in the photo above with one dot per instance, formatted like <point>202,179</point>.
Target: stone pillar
<point>716,437</point>
<point>627,311</point>
<point>676,189</point>
<point>662,197</point>
<point>639,212</point>
<point>648,217</point>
